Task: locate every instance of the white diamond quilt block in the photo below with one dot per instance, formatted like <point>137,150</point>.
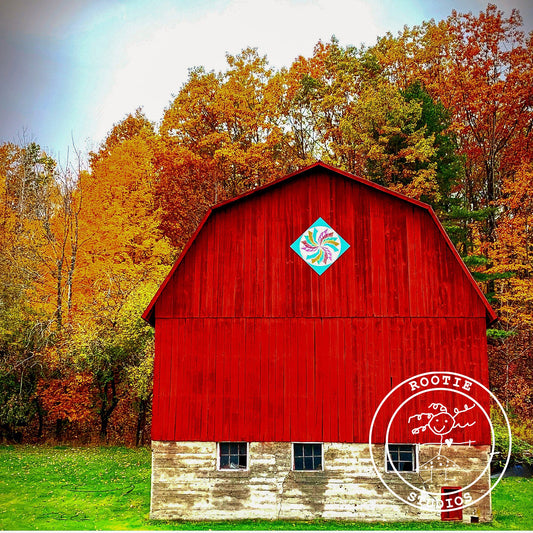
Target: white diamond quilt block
<point>320,246</point>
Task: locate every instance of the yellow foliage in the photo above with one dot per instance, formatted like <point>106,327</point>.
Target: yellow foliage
<point>513,250</point>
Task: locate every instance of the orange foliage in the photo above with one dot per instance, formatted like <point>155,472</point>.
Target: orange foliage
<point>513,249</point>
<point>121,245</point>
<point>221,136</point>
<point>81,251</point>
<point>70,398</point>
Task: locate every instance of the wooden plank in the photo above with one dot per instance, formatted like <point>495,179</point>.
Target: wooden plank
<point>196,269</point>
<point>321,430</point>
<point>263,337</point>
<point>303,353</point>
<point>364,243</point>
<point>205,330</point>
<point>229,252</point>
<point>270,263</point>
<point>249,259</point>
<point>168,406</point>
<point>226,343</point>
<point>232,388</point>
<point>253,378</point>
<point>182,290</point>
<point>379,289</point>
<point>239,261</point>
<point>274,259</point>
<point>350,424</point>
<point>413,259</point>
<point>279,347</point>
<point>207,280</point>
<point>365,402</point>
<point>396,250</point>
<point>288,258</point>
<point>175,423</point>
<point>390,272</point>
<point>261,262</point>
<point>193,385</point>
<point>290,380</point>
<point>217,267</point>
<point>337,379</point>
<point>159,387</point>
<point>427,268</point>
<point>346,279</point>
<point>242,361</point>
<point>342,377</point>
<point>315,386</point>
<point>220,411</point>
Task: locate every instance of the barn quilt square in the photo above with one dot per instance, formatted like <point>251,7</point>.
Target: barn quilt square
<point>320,246</point>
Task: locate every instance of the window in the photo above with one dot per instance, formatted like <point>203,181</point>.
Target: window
<point>307,456</point>
<point>233,455</point>
<point>403,457</point>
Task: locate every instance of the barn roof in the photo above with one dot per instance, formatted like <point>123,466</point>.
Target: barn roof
<point>491,316</point>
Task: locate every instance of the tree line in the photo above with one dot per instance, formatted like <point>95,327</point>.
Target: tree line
<point>441,112</point>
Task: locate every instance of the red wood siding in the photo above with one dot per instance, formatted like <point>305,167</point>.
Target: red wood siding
<point>253,345</point>
<point>299,379</point>
<point>241,263</point>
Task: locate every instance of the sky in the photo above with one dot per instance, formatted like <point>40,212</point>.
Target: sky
<point>70,69</point>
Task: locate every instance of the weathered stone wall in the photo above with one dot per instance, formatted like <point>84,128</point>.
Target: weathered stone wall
<point>187,485</point>
<point>463,466</point>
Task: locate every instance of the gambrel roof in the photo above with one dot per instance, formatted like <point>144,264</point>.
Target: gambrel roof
<point>149,314</point>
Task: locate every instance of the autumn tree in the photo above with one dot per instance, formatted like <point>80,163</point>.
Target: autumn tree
<point>26,182</point>
<point>442,112</point>
<point>121,251</point>
<point>67,399</point>
<point>221,136</point>
<point>387,131</point>
<point>319,94</point>
<point>368,125</point>
<point>512,251</point>
<point>489,89</point>
<point>300,90</point>
<point>479,68</point>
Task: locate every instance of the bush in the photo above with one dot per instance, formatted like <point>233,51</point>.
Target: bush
<point>521,451</point>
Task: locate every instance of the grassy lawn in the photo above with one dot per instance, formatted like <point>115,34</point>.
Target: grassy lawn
<point>64,488</point>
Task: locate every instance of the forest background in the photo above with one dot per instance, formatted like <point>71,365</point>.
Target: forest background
<point>441,112</point>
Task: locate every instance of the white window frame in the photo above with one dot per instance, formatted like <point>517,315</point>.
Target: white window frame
<point>321,460</point>
<point>416,448</point>
<point>234,469</point>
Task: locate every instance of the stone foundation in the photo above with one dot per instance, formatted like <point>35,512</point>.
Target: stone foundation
<point>186,484</point>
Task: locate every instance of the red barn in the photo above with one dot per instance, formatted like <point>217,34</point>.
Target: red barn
<point>294,310</point>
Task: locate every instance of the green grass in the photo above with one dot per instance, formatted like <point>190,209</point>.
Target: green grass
<point>65,488</point>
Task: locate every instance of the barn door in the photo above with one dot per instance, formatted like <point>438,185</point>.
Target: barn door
<point>451,499</point>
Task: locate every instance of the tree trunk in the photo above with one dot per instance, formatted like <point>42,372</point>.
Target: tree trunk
<point>141,422</point>
<point>40,417</point>
<point>59,295</point>
<point>60,425</point>
<point>108,397</point>
<point>74,241</point>
<point>491,218</point>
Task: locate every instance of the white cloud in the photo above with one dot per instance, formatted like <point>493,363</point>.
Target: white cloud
<point>78,66</point>
<point>155,64</point>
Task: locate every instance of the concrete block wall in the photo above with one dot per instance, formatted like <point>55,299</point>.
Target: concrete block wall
<point>186,484</point>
